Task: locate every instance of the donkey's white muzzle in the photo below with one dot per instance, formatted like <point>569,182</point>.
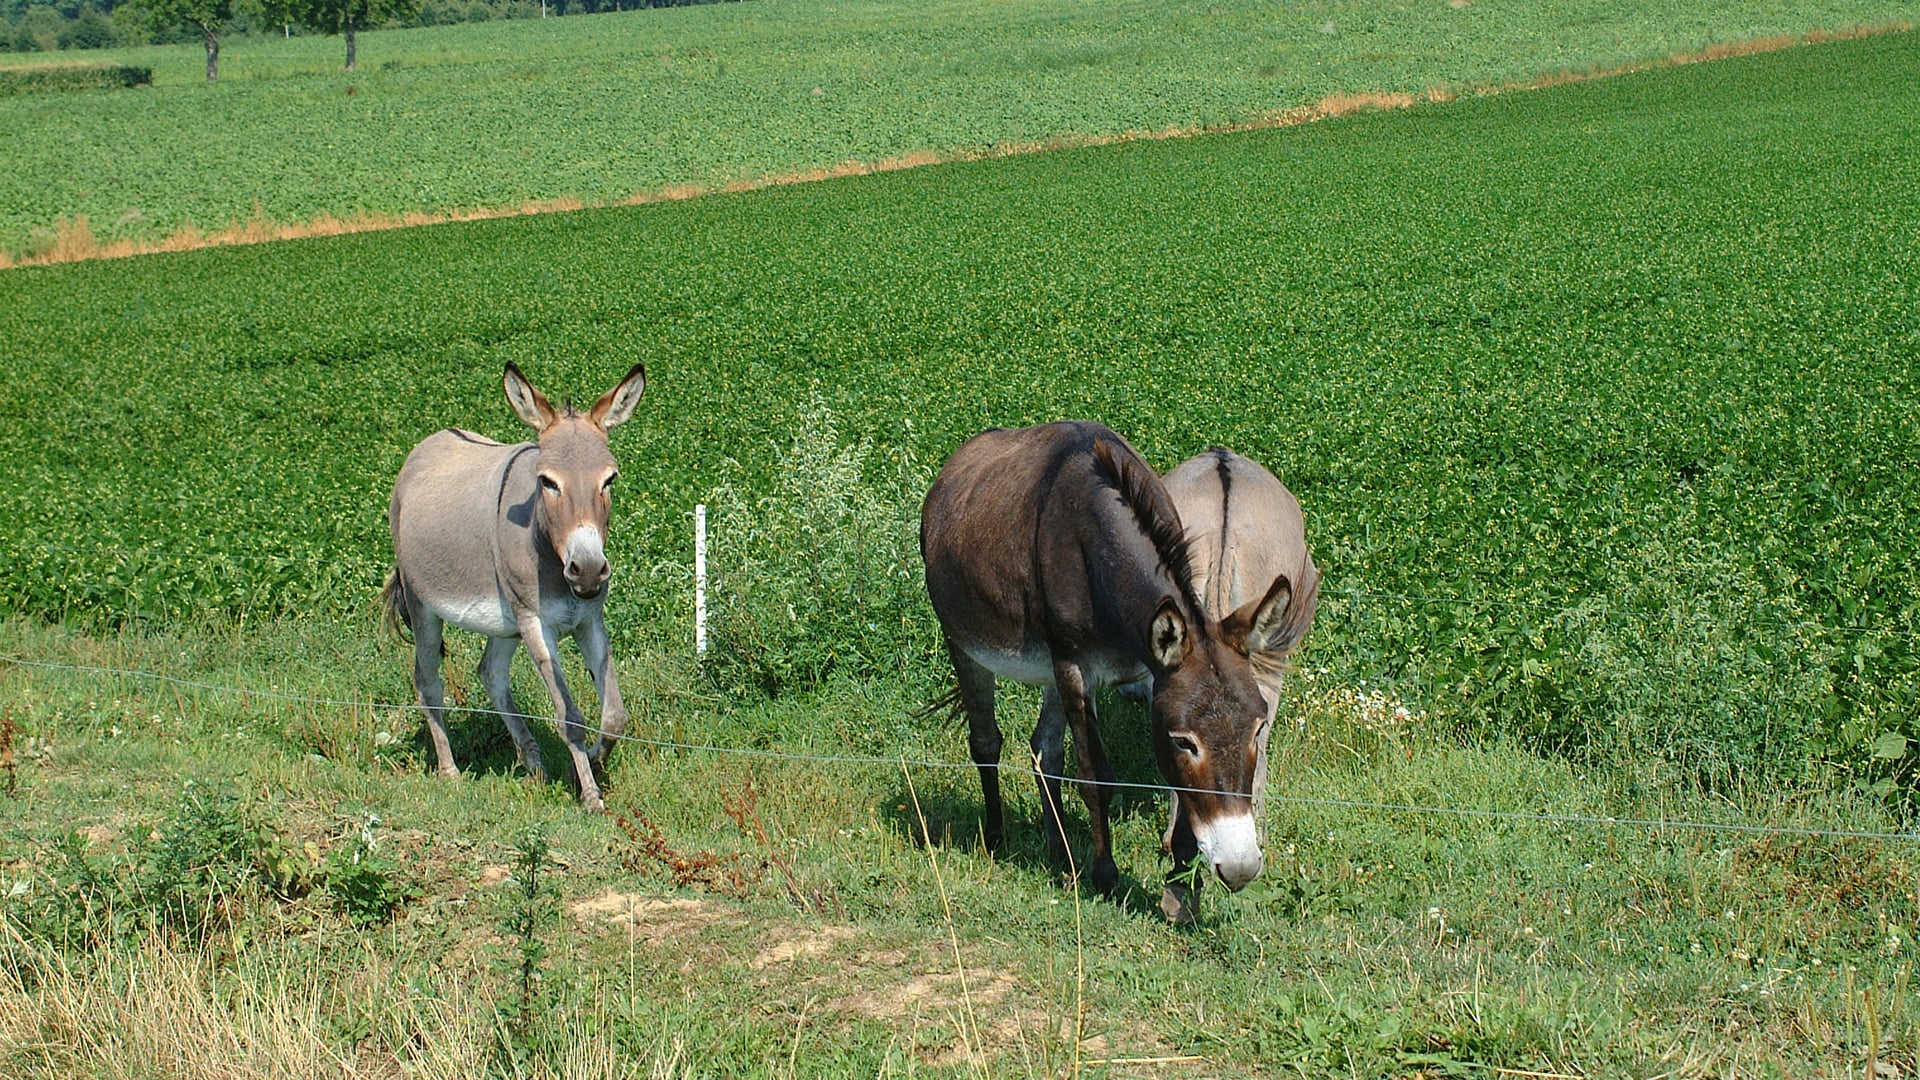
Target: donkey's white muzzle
<point>1232,847</point>
<point>586,563</point>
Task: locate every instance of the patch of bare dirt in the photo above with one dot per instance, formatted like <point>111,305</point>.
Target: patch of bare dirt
<point>787,944</point>
<point>648,918</point>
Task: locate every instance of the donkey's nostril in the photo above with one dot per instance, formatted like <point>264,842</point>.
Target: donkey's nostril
<point>587,577</point>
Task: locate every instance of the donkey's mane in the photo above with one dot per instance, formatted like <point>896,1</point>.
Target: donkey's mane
<point>1154,511</point>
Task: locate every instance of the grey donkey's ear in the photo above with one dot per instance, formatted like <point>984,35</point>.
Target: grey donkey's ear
<point>1276,623</point>
<point>617,404</point>
<point>528,403</point>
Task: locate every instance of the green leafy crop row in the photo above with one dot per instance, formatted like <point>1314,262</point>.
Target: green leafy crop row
<point>1600,399</point>
<point>601,107</point>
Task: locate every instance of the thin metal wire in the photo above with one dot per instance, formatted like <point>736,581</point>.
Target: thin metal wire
<point>930,763</point>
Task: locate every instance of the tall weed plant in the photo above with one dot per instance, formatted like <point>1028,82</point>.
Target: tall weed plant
<point>815,570</point>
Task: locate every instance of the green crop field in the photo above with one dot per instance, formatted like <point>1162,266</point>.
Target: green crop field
<point>598,108</point>
<point>1600,400</point>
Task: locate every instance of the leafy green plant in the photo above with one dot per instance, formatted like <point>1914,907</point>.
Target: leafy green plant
<point>529,912</point>
<point>367,884</point>
<point>199,870</point>
<point>820,573</point>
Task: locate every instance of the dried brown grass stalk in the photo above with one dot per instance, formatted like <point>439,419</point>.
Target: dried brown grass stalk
<point>8,731</point>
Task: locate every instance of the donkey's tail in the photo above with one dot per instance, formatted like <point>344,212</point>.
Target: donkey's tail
<point>393,605</point>
<point>948,703</point>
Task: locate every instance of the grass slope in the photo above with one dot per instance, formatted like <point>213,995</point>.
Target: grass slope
<point>598,108</point>
<point>1598,399</point>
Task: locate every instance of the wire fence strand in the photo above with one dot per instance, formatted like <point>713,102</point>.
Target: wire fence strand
<point>901,760</point>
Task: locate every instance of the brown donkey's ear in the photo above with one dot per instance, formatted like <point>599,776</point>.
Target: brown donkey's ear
<point>1167,638</point>
<point>617,404</point>
<point>528,403</point>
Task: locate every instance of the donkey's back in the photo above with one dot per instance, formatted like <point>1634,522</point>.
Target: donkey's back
<point>443,514</point>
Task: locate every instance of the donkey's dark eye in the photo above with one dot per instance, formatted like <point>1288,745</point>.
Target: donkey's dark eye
<point>1186,745</point>
<point>607,484</point>
<point>550,485</point>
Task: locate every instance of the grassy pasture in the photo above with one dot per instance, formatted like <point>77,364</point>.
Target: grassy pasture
<point>598,108</point>
<point>1600,403</point>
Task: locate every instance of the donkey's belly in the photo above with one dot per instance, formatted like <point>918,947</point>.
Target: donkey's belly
<point>489,615</point>
<point>1034,666</point>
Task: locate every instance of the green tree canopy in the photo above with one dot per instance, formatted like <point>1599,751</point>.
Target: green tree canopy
<point>208,17</point>
<point>344,17</point>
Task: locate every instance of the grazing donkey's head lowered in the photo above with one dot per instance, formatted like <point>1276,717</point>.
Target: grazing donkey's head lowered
<point>576,474</point>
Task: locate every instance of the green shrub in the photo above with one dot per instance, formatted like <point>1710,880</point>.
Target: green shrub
<point>367,884</point>
<point>91,30</point>
<point>59,78</point>
<point>821,574</point>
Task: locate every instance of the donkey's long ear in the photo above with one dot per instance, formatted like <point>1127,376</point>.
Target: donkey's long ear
<point>528,403</point>
<point>617,404</point>
<point>1250,628</point>
<point>1277,622</point>
<point>1167,638</point>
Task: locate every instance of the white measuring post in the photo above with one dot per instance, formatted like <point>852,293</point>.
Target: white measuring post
<point>700,579</point>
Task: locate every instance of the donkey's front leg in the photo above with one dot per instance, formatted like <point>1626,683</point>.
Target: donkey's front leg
<point>543,647</point>
<point>1094,773</point>
<point>595,650</point>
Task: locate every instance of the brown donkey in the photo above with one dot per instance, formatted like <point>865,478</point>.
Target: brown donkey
<point>1055,557</point>
<point>510,542</point>
<point>1244,532</point>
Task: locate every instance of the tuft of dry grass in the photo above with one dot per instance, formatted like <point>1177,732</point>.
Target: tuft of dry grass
<point>72,240</point>
<point>164,1009</point>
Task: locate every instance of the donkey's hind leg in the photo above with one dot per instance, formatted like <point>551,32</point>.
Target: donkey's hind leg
<point>427,637</point>
<point>496,674</point>
<point>983,740</point>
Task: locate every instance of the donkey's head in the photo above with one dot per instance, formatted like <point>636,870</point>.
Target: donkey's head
<point>1207,716</point>
<point>576,473</point>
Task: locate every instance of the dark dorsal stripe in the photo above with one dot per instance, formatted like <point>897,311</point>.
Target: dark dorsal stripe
<point>1223,468</point>
<point>1153,510</point>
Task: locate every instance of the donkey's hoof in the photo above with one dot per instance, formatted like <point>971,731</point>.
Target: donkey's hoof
<point>536,774</point>
<point>1176,903</point>
<point>592,803</point>
<point>449,771</point>
<point>1105,877</point>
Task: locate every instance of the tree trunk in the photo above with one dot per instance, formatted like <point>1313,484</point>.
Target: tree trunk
<point>350,45</point>
<point>213,54</point>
